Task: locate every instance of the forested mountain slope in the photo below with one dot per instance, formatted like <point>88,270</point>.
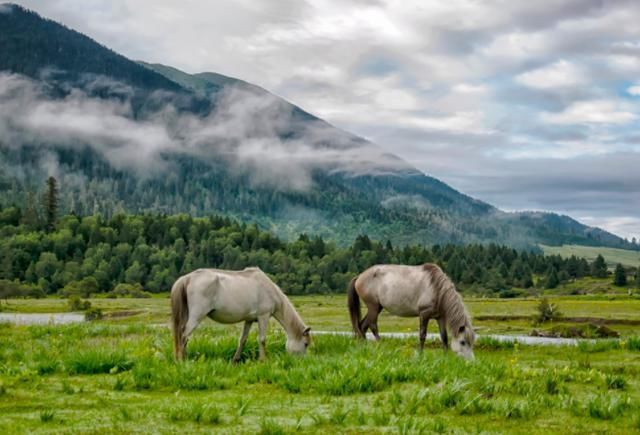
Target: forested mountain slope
<point>126,136</point>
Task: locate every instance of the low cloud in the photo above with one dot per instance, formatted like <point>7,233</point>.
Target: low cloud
<point>396,73</point>
<point>256,134</point>
<point>592,112</point>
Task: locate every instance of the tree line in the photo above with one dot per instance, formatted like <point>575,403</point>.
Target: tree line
<point>43,255</point>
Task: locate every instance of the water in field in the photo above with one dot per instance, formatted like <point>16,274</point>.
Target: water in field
<point>41,318</point>
<point>524,339</point>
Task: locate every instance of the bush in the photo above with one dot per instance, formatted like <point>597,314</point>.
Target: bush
<point>93,314</point>
<point>77,304</point>
<point>83,288</point>
<point>124,290</point>
<point>14,289</point>
<point>547,311</point>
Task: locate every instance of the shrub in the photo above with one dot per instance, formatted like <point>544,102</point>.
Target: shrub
<point>124,290</point>
<point>83,288</point>
<point>76,304</point>
<point>547,311</point>
<point>93,314</point>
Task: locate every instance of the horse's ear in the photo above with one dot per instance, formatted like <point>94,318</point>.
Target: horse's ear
<point>306,331</point>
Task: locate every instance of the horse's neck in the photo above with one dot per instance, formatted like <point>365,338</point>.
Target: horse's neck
<point>452,309</point>
<point>288,317</point>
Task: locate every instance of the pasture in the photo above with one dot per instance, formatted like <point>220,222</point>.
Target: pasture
<point>612,256</point>
<point>118,376</point>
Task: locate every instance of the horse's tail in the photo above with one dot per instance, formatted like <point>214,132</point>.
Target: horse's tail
<point>354,307</point>
<point>179,315</point>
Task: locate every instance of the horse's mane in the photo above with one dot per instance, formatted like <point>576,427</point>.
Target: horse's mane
<point>449,301</point>
<point>290,316</point>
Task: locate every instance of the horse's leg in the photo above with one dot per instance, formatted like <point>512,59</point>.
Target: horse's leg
<point>195,317</point>
<point>243,340</point>
<point>364,325</point>
<point>372,314</point>
<point>424,322</point>
<point>443,333</point>
<point>425,314</point>
<point>263,322</point>
<point>191,325</point>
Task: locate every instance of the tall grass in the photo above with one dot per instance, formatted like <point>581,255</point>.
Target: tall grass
<point>350,386</point>
<point>93,361</point>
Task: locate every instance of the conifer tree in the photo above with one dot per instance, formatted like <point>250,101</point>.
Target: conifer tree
<point>51,203</point>
<point>620,276</point>
<point>599,267</point>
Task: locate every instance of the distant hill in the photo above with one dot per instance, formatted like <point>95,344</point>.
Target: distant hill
<point>137,137</point>
<point>612,256</point>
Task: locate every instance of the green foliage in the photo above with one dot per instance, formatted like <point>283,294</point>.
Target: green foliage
<point>195,412</point>
<point>47,415</point>
<point>51,204</point>
<point>123,290</point>
<point>15,289</point>
<point>547,311</point>
<point>94,361</point>
<point>77,304</point>
<point>599,267</point>
<point>93,313</point>
<point>620,276</point>
<point>127,256</point>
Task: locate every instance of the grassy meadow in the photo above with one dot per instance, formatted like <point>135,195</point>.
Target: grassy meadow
<point>117,376</point>
<point>613,256</point>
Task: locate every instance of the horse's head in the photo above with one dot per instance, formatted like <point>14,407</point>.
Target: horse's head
<point>463,340</point>
<point>299,345</point>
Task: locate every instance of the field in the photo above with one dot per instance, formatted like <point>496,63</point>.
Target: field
<point>117,376</point>
<point>612,256</point>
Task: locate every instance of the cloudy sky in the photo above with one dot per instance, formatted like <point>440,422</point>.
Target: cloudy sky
<point>526,105</point>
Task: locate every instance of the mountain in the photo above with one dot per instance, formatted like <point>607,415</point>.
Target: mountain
<point>125,136</point>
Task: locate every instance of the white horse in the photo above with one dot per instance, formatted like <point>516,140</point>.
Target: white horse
<point>412,291</point>
<point>231,297</point>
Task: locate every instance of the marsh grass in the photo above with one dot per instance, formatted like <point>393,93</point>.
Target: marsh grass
<point>350,386</point>
<point>615,382</point>
<point>269,426</point>
<point>94,361</point>
<point>195,412</point>
<point>47,415</point>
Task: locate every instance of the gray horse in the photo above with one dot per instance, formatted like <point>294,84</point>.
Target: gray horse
<point>412,291</point>
<point>230,297</point>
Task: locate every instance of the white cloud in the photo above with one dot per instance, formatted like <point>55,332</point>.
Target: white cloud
<point>592,112</point>
<point>432,81</point>
<point>624,226</point>
<point>561,74</point>
<point>634,90</point>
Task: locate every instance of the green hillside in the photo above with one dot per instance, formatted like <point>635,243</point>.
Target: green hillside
<point>612,256</point>
<point>249,155</point>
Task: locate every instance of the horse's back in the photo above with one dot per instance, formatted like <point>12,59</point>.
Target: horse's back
<point>233,296</point>
<point>400,289</point>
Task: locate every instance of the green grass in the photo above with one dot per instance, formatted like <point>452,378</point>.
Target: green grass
<point>612,256</point>
<point>329,312</point>
<point>118,376</point>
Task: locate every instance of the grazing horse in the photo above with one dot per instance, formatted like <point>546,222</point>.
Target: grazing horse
<point>230,297</point>
<point>412,291</point>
